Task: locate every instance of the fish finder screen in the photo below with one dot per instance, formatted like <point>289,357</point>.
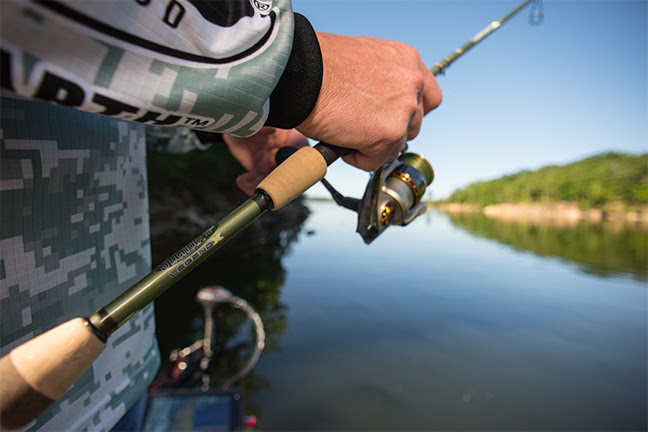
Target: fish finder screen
<point>191,412</point>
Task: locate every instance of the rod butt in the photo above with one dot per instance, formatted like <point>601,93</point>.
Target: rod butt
<point>41,370</point>
<point>20,403</point>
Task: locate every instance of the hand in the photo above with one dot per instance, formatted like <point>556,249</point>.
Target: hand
<point>257,153</point>
<point>373,98</point>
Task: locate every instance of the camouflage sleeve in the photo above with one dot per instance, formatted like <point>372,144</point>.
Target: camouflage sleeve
<point>207,65</point>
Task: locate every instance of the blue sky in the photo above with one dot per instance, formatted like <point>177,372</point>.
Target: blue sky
<point>524,98</point>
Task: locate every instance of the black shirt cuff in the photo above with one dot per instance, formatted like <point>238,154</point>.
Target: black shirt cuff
<point>295,95</point>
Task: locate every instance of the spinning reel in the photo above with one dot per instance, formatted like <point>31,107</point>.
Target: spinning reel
<point>392,197</point>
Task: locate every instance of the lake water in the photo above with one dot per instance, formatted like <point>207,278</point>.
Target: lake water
<point>459,323</point>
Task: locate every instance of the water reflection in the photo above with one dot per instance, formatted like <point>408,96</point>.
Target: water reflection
<point>609,249</point>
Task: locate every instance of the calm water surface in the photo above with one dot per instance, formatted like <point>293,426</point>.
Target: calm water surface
<point>432,327</point>
<point>452,324</point>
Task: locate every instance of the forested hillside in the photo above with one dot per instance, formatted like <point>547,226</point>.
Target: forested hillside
<point>592,182</point>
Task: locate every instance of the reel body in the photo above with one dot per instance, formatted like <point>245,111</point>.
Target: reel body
<point>393,195</point>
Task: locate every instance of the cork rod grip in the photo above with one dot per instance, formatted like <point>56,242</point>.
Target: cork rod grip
<point>294,176</point>
<point>41,370</point>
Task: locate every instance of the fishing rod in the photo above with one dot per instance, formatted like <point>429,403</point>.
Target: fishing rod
<point>40,371</point>
<point>535,18</point>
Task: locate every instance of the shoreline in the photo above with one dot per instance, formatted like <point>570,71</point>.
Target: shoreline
<point>566,212</point>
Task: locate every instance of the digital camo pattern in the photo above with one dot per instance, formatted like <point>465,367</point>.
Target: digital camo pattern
<point>74,233</point>
<point>158,62</point>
